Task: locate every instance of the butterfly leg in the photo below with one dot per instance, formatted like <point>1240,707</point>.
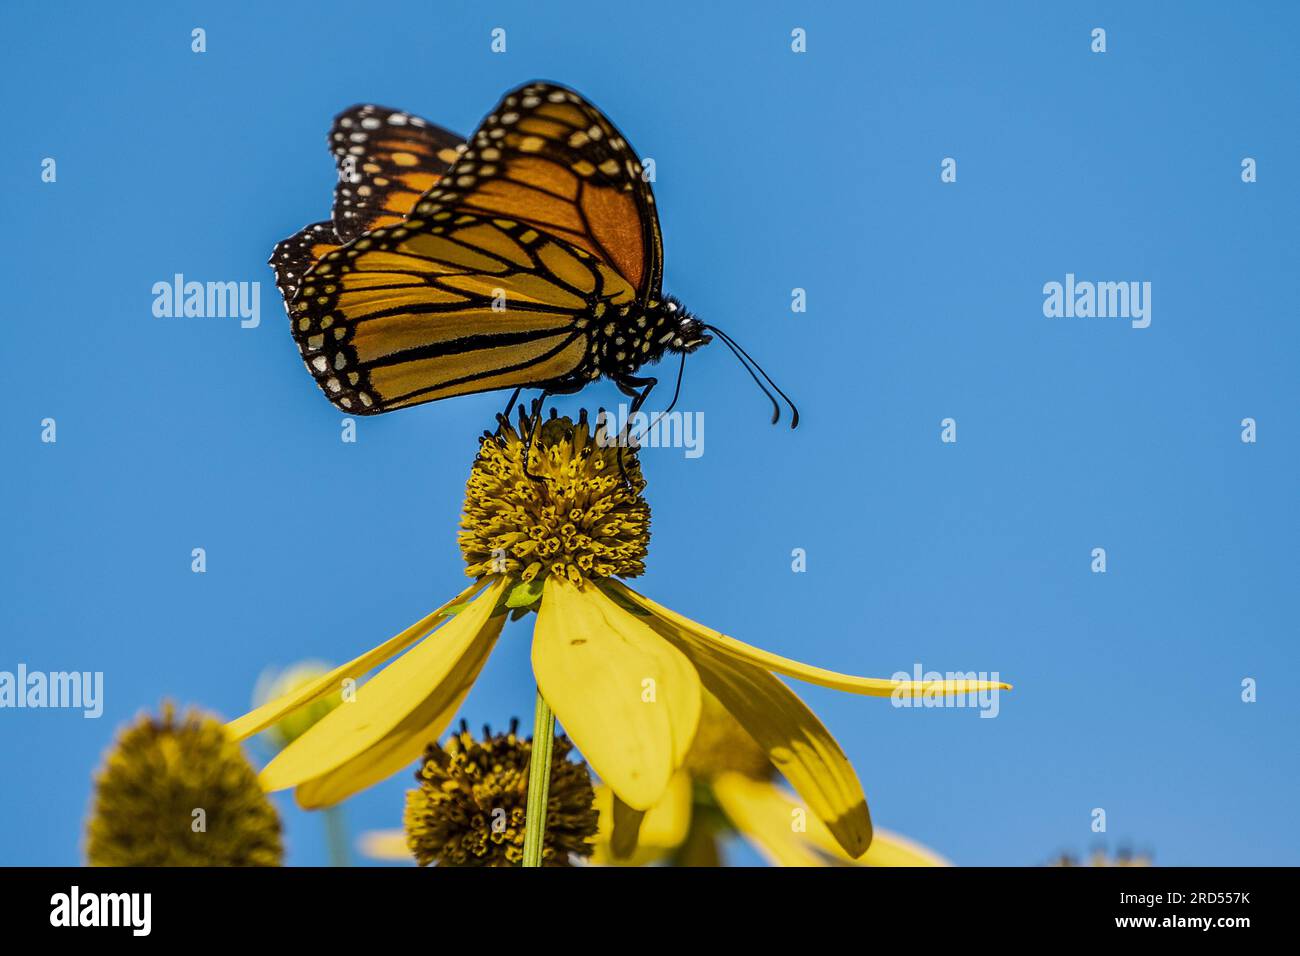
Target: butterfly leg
<point>510,405</point>
<point>562,388</point>
<point>629,386</point>
<point>533,428</point>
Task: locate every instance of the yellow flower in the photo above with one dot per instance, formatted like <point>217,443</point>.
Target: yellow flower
<point>275,684</point>
<point>177,791</point>
<point>469,808</point>
<point>621,673</point>
<point>727,785</point>
<point>385,845</point>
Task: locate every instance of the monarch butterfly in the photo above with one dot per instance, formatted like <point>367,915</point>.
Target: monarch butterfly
<point>528,256</point>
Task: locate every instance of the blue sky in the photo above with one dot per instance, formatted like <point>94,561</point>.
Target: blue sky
<point>775,170</point>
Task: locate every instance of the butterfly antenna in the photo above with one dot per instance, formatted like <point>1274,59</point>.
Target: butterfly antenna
<point>794,411</point>
<point>776,407</point>
<point>747,361</point>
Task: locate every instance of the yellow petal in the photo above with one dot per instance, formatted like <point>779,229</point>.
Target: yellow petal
<point>270,712</point>
<point>768,812</point>
<point>385,845</point>
<point>663,828</point>
<point>409,693</point>
<point>870,686</point>
<point>891,849</point>
<point>401,747</point>
<point>629,699</point>
<point>666,823</point>
<point>796,741</point>
<point>757,810</point>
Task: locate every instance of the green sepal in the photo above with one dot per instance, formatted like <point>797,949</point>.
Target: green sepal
<point>526,594</point>
<point>622,601</point>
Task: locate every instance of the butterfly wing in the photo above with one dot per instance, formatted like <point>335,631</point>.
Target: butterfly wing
<point>428,309</point>
<point>547,157</point>
<point>294,257</point>
<point>386,160</point>
<point>541,224</point>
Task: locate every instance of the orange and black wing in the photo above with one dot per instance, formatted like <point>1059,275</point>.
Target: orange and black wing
<point>542,227</point>
<point>386,160</point>
<point>292,258</point>
<point>450,305</point>
<point>547,157</point>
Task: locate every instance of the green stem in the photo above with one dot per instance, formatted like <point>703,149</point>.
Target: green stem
<point>539,782</point>
<point>336,836</point>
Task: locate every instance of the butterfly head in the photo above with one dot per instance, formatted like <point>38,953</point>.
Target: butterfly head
<point>688,332</point>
